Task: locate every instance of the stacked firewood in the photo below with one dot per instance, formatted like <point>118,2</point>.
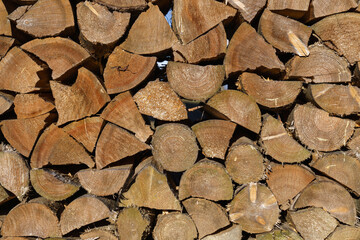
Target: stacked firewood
<point>183,119</point>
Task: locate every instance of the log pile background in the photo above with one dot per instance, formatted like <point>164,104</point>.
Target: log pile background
<point>184,119</point>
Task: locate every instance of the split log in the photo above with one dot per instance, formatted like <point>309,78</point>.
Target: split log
<point>115,144</point>
<point>174,147</point>
<point>207,216</point>
<point>285,232</point>
<point>14,174</point>
<point>18,13</point>
<point>5,44</point>
<point>47,18</point>
<point>174,226</point>
<point>31,219</point>
<point>204,15</point>
<point>238,107</point>
<point>318,9</point>
<point>345,232</point>
<point>254,208</point>
<point>214,136</point>
<point>231,233</point>
<point>313,223</point>
<point>331,197</point>
<point>133,224</point>
<point>243,55</point>
<point>124,5</point>
<point>279,144</point>
<point>317,130</point>
<point>98,234</point>
<point>156,195</point>
<point>195,82</point>
<point>104,182</point>
<point>23,133</point>
<point>321,66</point>
<point>85,131</point>
<point>5,27</point>
<point>32,105</point>
<point>206,179</point>
<point>341,32</point>
<point>52,185</point>
<point>69,55</point>
<point>81,212</point>
<point>123,111</point>
<point>143,38</point>
<point>4,197</point>
<point>125,71</point>
<point>294,9</point>
<point>285,34</point>
<point>56,147</point>
<point>209,46</point>
<point>354,143</point>
<point>269,93</point>
<point>248,9</point>
<point>6,102</point>
<point>158,100</point>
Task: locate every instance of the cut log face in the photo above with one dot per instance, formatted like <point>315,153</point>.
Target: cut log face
<point>5,27</point>
<point>52,185</point>
<point>56,147</point>
<point>238,107</point>
<point>22,133</point>
<point>174,147</point>
<point>195,82</point>
<point>269,93</point>
<point>84,98</point>
<point>295,9</point>
<point>313,223</point>
<point>256,54</point>
<point>248,9</point>
<point>285,232</point>
<point>104,182</point>
<point>210,46</point>
<point>354,143</point>
<point>174,226</point>
<point>279,144</point>
<point>19,79</point>
<point>98,234</point>
<point>158,100</point>
<point>124,5</point>
<point>4,197</point>
<point>206,179</point>
<point>204,15</point>
<point>5,44</point>
<point>321,66</point>
<point>342,32</point>
<point>83,211</point>
<point>31,105</point>
<point>151,190</point>
<point>345,232</point>
<point>318,9</point>
<point>6,101</point>
<point>85,131</point>
<point>143,38</point>
<point>207,216</point>
<point>131,224</point>
<point>47,18</point>
<point>123,111</point>
<point>68,54</point>
<point>125,71</point>
<point>331,197</point>
<point>14,174</point>
<point>317,130</point>
<point>214,136</point>
<point>115,144</point>
<point>231,233</point>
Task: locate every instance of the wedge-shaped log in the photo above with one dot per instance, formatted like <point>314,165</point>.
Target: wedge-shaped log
<point>293,8</point>
<point>233,232</point>
<point>4,197</point>
<point>354,143</point>
<point>133,224</point>
<point>6,101</point>
<point>5,44</point>
<point>32,105</point>
<point>318,10</point>
<point>124,5</point>
<point>248,9</point>
<point>345,232</point>
<point>5,27</point>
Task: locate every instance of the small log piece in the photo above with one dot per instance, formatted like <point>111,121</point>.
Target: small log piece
<point>5,44</point>
<point>6,102</point>
<point>345,232</point>
<point>98,234</point>
<point>4,197</point>
<point>319,10</point>
<point>292,8</point>
<point>354,143</point>
<point>285,232</point>
<point>5,27</point>
<point>124,5</point>
<point>133,224</point>
<point>248,9</point>
<point>231,233</point>
<point>32,105</point>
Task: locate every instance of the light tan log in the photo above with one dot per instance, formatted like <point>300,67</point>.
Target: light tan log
<point>248,9</point>
<point>124,5</point>
<point>98,234</point>
<point>5,27</point>
<point>292,8</point>
<point>133,224</point>
<point>318,10</point>
<point>32,105</point>
<point>233,232</point>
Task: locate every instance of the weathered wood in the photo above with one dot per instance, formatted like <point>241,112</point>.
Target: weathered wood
<point>248,9</point>
<point>345,232</point>
<point>56,147</point>
<point>98,234</point>
<point>115,144</point>
<point>133,224</point>
<point>293,8</point>
<point>254,208</point>
<point>124,5</point>
<point>123,111</point>
<point>5,27</point>
<point>285,232</point>
<point>125,70</point>
<point>32,105</point>
<point>318,9</point>
<point>4,197</point>
<point>256,54</point>
<point>6,102</point>
<point>354,143</point>
<point>5,44</point>
<point>174,147</point>
<point>18,13</point>
<point>231,103</point>
<point>233,232</point>
<point>158,100</point>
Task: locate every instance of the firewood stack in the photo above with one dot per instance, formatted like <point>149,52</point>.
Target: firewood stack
<point>183,119</point>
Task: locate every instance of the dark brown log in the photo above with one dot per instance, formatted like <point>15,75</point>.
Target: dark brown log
<point>243,55</point>
<point>345,232</point>
<point>5,44</point>
<point>47,18</point>
<point>6,101</point>
<point>174,147</point>
<point>98,234</point>
<point>115,144</point>
<point>206,179</point>
<point>269,93</point>
<point>292,8</point>
<point>254,208</point>
<point>209,46</point>
<point>104,182</point>
<point>56,147</point>
<point>231,233</point>
<point>248,9</point>
<point>214,136</point>
<point>207,216</point>
<point>125,71</point>
<point>318,9</point>
<point>158,100</point>
<point>32,105</point>
<point>23,2</point>
<point>124,5</point>
<point>132,224</point>
<point>5,27</point>
<point>123,111</point>
<point>143,38</point>
<point>238,107</point>
<point>321,66</point>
